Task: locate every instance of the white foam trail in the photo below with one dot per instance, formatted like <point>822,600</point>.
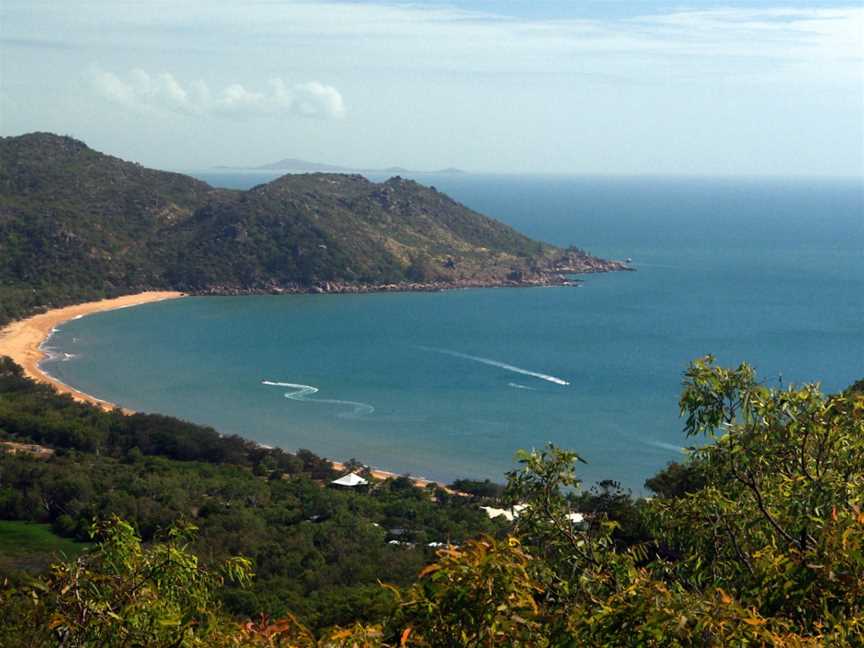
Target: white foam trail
<point>51,354</point>
<point>302,393</point>
<point>500,365</point>
<point>665,446</point>
<point>518,386</point>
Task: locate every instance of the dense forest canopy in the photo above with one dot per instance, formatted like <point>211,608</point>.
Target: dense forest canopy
<point>757,539</point>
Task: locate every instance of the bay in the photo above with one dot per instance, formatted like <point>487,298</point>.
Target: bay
<point>445,385</point>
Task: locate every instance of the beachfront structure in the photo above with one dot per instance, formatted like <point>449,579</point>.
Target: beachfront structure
<point>576,519</point>
<point>351,480</point>
<point>508,514</point>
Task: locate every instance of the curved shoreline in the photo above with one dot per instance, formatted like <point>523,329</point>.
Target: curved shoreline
<point>22,340</point>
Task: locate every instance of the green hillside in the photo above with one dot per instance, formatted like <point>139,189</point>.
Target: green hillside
<point>78,224</point>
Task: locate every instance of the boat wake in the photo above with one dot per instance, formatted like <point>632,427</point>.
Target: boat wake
<point>500,365</point>
<point>664,445</point>
<point>519,386</point>
<point>302,393</point>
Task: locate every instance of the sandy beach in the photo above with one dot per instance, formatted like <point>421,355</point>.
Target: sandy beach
<point>22,340</point>
<point>377,473</point>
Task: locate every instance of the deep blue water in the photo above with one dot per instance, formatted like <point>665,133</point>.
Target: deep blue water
<point>767,271</point>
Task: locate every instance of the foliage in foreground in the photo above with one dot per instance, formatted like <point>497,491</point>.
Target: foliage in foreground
<point>767,550</point>
<point>757,541</point>
<point>123,594</point>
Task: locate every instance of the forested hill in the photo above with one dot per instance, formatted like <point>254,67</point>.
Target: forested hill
<point>78,224</point>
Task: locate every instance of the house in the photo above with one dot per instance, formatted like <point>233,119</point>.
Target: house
<point>351,480</point>
<point>508,514</point>
<point>576,519</point>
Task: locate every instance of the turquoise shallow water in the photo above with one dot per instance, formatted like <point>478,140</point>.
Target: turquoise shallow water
<point>451,384</point>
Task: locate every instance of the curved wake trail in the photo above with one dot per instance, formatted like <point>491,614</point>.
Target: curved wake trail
<point>302,393</point>
<point>500,365</point>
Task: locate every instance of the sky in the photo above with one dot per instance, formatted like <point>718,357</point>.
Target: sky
<point>503,86</point>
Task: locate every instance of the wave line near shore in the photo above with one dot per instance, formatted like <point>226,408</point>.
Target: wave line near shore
<point>22,340</point>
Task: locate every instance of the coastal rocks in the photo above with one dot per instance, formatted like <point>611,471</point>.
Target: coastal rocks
<point>593,265</point>
<point>336,287</point>
<point>557,272</point>
<point>574,260</point>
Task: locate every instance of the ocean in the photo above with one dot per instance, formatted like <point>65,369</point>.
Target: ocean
<point>451,384</point>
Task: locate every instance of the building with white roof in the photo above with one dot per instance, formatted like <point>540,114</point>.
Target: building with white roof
<point>351,480</point>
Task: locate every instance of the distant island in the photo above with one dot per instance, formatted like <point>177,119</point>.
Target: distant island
<point>295,165</point>
<point>78,225</point>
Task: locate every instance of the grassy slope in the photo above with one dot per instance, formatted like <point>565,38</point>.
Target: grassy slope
<point>31,546</point>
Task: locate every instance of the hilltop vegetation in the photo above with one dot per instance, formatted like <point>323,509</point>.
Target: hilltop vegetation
<point>76,224</point>
<point>757,539</point>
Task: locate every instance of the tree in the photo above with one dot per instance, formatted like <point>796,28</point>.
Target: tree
<point>676,480</point>
<point>779,519</point>
<point>481,595</point>
<point>123,594</point>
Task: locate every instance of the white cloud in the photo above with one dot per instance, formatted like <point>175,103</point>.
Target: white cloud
<point>315,99</point>
<point>145,92</point>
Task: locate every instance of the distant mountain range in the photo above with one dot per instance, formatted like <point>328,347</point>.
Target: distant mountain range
<point>76,224</point>
<point>295,165</point>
